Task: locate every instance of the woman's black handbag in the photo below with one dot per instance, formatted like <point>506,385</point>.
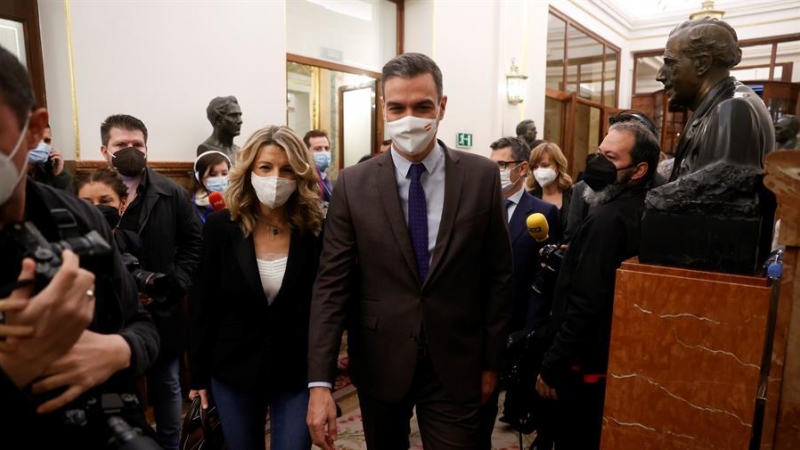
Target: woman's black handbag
<point>201,429</point>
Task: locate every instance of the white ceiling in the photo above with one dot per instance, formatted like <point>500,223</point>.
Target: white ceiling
<point>641,14</point>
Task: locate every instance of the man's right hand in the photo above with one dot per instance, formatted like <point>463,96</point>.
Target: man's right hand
<point>59,314</point>
<point>321,417</point>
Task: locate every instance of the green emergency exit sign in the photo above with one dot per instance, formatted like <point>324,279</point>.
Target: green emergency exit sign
<point>464,140</point>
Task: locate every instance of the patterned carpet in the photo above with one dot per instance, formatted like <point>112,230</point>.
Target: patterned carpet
<point>351,434</point>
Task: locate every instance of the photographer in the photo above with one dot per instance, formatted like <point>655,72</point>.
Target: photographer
<point>62,359</point>
<point>159,212</point>
<point>573,369</point>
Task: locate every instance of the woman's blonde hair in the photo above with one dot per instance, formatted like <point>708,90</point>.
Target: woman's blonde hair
<point>557,157</point>
<point>304,207</point>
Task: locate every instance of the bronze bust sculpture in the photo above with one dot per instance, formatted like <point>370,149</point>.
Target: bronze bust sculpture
<point>713,212</point>
<point>526,130</point>
<point>226,119</point>
<point>786,129</point>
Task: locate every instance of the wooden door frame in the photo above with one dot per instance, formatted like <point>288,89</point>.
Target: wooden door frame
<point>340,133</point>
<point>291,57</point>
<point>27,13</point>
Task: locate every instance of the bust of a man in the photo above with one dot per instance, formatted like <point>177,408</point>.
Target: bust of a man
<point>226,119</point>
<point>786,130</point>
<point>526,130</point>
<point>713,190</point>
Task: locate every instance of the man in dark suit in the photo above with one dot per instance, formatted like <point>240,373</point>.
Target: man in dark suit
<point>422,227</point>
<point>512,155</point>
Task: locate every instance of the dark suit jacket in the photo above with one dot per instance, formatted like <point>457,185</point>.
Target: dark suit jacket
<point>464,304</point>
<point>171,238</point>
<point>236,336</point>
<point>526,251</point>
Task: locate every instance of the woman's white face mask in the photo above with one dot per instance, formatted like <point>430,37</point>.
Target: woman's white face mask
<point>271,191</point>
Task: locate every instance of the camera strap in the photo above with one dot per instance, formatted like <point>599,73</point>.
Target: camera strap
<point>67,226</point>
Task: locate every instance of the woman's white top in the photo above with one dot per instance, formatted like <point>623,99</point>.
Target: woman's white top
<point>271,268</point>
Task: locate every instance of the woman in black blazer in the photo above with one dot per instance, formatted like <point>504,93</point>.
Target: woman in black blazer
<point>250,303</point>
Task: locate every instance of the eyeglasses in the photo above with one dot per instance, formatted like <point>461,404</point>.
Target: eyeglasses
<point>508,164</point>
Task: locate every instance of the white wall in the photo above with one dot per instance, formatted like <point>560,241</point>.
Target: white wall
<point>473,43</point>
<point>312,29</point>
<point>162,62</point>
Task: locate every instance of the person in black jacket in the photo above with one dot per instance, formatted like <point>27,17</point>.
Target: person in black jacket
<point>574,368</point>
<point>250,305</point>
<point>62,361</point>
<point>159,211</point>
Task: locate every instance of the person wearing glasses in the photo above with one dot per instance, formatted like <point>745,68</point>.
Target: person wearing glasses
<point>511,155</point>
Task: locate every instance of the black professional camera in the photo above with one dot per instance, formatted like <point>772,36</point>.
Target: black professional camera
<point>155,285</point>
<point>47,255</point>
<point>91,409</point>
<point>109,409</point>
<point>545,280</point>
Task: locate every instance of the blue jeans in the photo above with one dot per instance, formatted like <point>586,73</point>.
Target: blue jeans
<point>165,384</point>
<point>243,415</point>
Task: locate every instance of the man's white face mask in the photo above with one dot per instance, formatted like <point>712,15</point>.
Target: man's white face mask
<point>411,135</point>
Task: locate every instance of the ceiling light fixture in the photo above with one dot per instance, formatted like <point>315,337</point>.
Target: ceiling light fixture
<point>707,10</point>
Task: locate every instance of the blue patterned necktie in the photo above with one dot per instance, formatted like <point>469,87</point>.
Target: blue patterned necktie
<point>418,221</point>
<point>508,205</point>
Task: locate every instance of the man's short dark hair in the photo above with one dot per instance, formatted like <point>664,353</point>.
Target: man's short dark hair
<point>15,86</point>
<point>124,122</point>
<point>217,105</point>
<point>712,37</point>
<point>524,125</point>
<point>410,65</point>
<point>519,148</point>
<point>633,114</point>
<point>313,134</point>
<point>645,146</point>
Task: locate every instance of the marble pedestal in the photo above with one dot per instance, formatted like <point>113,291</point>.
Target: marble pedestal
<point>685,356</point>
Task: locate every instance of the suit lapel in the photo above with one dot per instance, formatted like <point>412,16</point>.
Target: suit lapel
<point>453,183</point>
<point>517,224</point>
<point>245,251</point>
<point>387,187</point>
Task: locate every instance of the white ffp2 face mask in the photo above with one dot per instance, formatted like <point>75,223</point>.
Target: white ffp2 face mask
<point>505,179</point>
<point>411,134</point>
<point>544,176</point>
<point>9,175</point>
<point>272,192</point>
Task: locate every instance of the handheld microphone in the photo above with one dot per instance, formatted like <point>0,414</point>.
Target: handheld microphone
<point>217,201</point>
<point>538,227</point>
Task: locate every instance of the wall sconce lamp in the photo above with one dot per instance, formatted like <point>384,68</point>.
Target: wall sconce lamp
<point>515,85</point>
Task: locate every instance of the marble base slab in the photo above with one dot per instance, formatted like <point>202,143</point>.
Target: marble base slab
<point>685,356</point>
